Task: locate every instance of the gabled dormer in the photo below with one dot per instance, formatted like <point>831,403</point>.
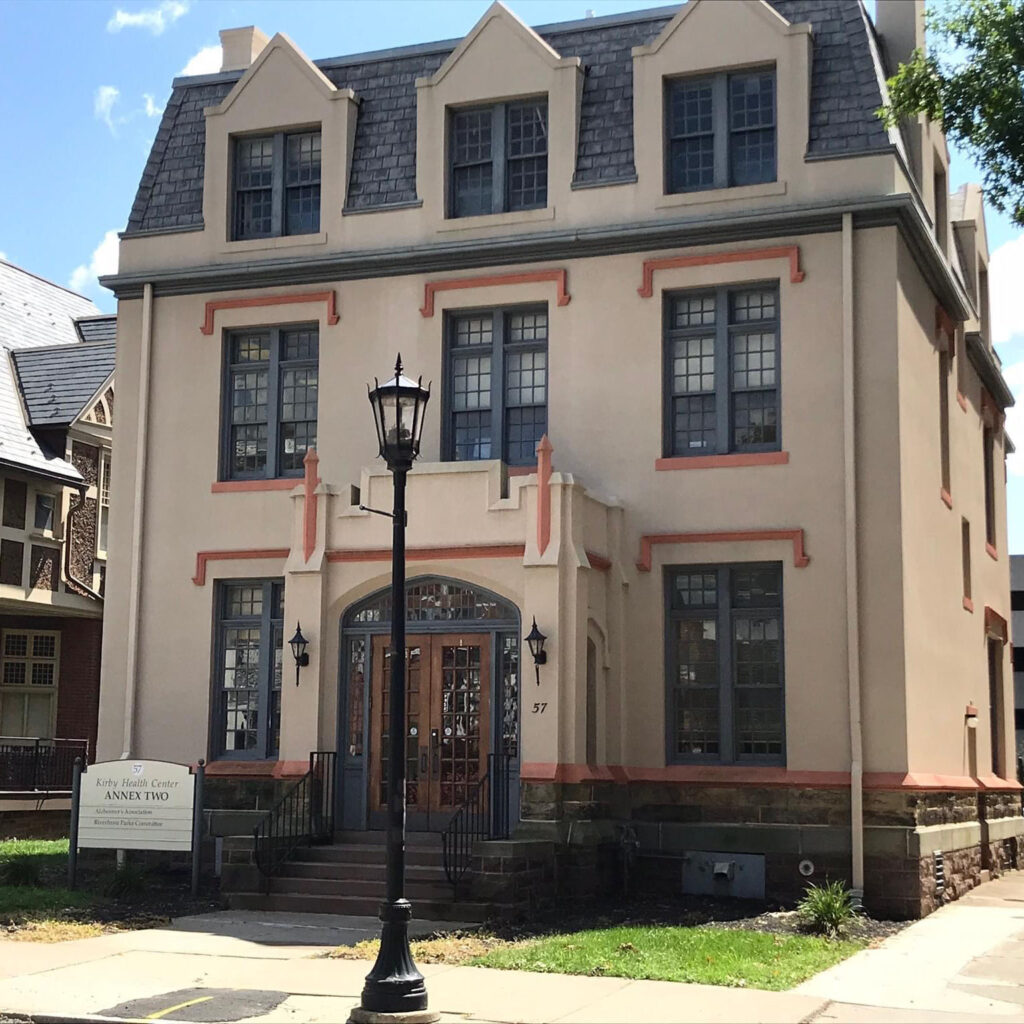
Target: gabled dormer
<point>278,148</point>
<point>720,103</point>
<point>497,126</point>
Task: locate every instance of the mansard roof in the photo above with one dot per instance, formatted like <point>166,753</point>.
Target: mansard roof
<point>58,381</point>
<point>846,83</point>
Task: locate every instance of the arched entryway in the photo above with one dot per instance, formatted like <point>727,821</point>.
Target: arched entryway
<point>462,686</point>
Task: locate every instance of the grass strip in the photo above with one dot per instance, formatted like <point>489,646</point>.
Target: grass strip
<point>707,956</point>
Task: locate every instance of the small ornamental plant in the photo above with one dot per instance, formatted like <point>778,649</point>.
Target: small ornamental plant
<point>827,909</point>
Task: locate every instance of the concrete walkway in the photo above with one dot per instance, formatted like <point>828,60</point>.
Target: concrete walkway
<point>965,963</point>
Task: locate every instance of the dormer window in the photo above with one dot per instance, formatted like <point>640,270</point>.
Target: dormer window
<point>720,131</point>
<point>499,158</point>
<point>277,185</point>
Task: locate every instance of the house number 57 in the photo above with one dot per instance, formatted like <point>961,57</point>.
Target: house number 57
<point>539,707</point>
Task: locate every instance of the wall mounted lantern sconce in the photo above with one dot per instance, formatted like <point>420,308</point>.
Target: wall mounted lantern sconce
<point>536,639</point>
<point>971,716</point>
<point>298,644</point>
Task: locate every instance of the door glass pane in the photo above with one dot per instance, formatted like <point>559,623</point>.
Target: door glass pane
<point>461,681</point>
<point>356,695</point>
<point>416,690</point>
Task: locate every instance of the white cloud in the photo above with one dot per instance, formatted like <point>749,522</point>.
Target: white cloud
<point>206,62</point>
<point>104,261</point>
<point>103,105</point>
<point>152,110</point>
<point>155,19</point>
<point>1014,374</point>
<point>1006,272</point>
<point>3,256</point>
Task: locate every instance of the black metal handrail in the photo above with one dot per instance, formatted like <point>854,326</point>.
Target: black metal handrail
<point>35,764</point>
<point>484,815</point>
<point>304,815</point>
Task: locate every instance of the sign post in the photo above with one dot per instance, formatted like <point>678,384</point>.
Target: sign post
<point>76,792</point>
<point>197,825</point>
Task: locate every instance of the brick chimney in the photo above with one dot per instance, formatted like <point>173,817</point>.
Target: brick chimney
<point>900,23</point>
<point>241,46</point>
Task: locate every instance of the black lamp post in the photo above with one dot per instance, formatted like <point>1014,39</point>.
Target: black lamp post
<point>395,985</point>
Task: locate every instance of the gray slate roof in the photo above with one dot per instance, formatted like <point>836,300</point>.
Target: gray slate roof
<point>57,381</point>
<point>97,328</point>
<point>845,93</point>
<point>33,313</point>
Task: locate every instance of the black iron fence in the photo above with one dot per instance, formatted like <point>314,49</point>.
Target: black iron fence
<point>304,815</point>
<point>484,815</point>
<point>33,764</point>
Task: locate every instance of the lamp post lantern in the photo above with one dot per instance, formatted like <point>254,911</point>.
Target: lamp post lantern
<point>394,985</point>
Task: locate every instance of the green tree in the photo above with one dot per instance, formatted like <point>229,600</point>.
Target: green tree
<point>971,78</point>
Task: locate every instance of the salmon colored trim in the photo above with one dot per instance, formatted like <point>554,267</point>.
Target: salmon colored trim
<point>521,470</point>
<point>991,551</point>
<point>431,288</point>
<point>995,625</point>
<point>945,323</point>
<point>723,461</point>
<point>968,605</point>
<point>310,483</point>
<point>648,540</point>
<point>245,486</point>
<point>961,400</point>
<point>756,775</point>
<point>203,558</point>
<point>790,252</point>
<point>430,554</point>
<point>265,769</point>
<point>947,498</point>
<point>598,562</point>
<point>269,300</point>
<point>544,450</point>
<point>990,411</point>
<point>971,711</point>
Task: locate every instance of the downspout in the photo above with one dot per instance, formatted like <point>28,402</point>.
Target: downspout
<point>852,583</point>
<point>138,518</point>
<point>72,512</point>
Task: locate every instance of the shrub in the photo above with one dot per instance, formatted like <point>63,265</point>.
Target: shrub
<point>20,871</point>
<point>828,908</point>
<point>127,883</point>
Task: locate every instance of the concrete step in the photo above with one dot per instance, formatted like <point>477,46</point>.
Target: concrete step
<point>373,889</point>
<point>359,853</point>
<point>360,906</point>
<point>379,838</point>
<point>369,872</point>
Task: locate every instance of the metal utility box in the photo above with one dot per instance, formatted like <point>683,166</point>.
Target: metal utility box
<point>739,875</point>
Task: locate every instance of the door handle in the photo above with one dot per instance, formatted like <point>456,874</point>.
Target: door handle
<point>435,747</point>
<point>423,761</point>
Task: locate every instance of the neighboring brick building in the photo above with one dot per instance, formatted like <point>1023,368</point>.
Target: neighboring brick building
<point>56,410</point>
<point>770,554</point>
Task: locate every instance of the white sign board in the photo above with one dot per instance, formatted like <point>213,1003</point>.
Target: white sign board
<point>136,805</point>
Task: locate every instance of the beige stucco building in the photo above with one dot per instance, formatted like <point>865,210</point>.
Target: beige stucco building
<point>765,535</point>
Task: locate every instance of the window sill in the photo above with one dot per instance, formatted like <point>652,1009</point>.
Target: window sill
<point>947,498</point>
<point>497,220</point>
<point>721,195</point>
<point>991,551</point>
<point>968,605</point>
<point>235,486</point>
<point>275,242</point>
<point>722,461</point>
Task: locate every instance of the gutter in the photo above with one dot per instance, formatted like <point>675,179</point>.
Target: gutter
<point>988,369</point>
<point>135,567</point>
<point>69,532</point>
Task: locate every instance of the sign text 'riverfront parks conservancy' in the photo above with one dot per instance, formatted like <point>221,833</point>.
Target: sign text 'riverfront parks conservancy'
<point>136,805</point>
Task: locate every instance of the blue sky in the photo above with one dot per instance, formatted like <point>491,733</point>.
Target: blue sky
<point>82,89</point>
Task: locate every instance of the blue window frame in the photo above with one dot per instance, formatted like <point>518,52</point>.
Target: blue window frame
<point>246,704</point>
<point>724,664</point>
<point>496,394</point>
<point>720,131</point>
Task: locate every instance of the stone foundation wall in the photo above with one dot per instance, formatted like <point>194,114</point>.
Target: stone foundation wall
<point>517,876</point>
<point>35,824</point>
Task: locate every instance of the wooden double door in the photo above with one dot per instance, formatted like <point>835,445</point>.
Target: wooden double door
<point>447,726</point>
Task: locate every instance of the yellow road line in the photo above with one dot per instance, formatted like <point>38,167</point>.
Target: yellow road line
<point>180,1006</point>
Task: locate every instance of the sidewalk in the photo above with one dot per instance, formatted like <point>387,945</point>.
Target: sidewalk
<point>965,963</point>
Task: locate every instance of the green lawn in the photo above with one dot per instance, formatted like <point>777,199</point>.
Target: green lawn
<point>48,849</point>
<point>42,863</point>
<point>709,956</point>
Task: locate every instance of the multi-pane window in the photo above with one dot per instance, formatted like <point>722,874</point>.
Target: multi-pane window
<point>271,401</point>
<point>989,456</point>
<point>277,185</point>
<point>499,158</point>
<point>28,682</point>
<point>497,394</point>
<point>720,131</point>
<point>722,371</point>
<point>104,509</point>
<point>247,685</point>
<point>725,666</point>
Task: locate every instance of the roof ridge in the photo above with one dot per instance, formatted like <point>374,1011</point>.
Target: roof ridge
<point>46,280</point>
